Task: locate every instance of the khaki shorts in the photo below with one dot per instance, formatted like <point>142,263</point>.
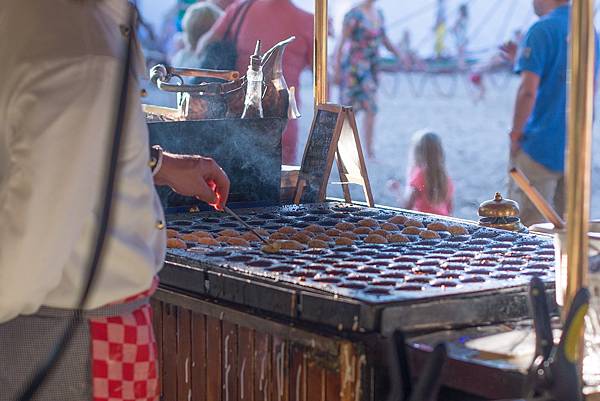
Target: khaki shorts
<point>549,184</point>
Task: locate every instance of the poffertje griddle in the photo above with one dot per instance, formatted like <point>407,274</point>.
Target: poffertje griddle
<point>452,281</point>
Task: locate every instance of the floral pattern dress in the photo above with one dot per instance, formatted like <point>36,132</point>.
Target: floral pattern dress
<point>360,63</point>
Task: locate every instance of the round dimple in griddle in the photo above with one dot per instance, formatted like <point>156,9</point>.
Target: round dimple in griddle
<point>428,262</point>
<point>444,283</point>
<point>472,279</point>
<point>320,211</point>
<point>450,275</point>
<point>480,271</point>
<point>458,260</point>
<point>484,262</point>
<point>327,280</point>
<point>524,248</point>
<point>472,248</point>
<point>407,259</point>
<point>409,287</point>
<point>445,251</point>
<point>465,253</point>
<point>393,275</point>
<point>301,274</point>
<point>301,224</point>
<point>545,252</point>
<point>311,218</point>
<point>218,254</point>
<point>377,291</point>
<point>317,251</point>
<point>384,283</point>
<point>240,258</point>
<point>293,213</point>
<point>328,222</point>
<point>480,241</point>
<point>316,267</point>
<point>353,219</point>
<point>296,262</point>
<point>280,269</point>
<point>353,286</point>
<point>358,259</point>
<point>502,246</point>
<point>373,246</point>
<point>360,277</point>
<point>483,233</point>
<point>509,268</point>
<point>380,263</point>
<point>404,266</point>
<point>529,241</point>
<point>256,223</point>
<point>536,273</point>
<point>543,259</point>
<point>283,221</point>
<point>540,266</point>
<point>201,227</point>
<point>514,261</point>
<point>365,253</point>
<point>368,269</point>
<point>425,270</point>
<point>338,215</point>
<point>419,279</point>
<point>268,216</point>
<point>211,220</point>
<point>260,263</point>
<point>458,238</point>
<point>336,272</point>
<point>429,242</point>
<point>346,265</point>
<point>345,249</point>
<point>181,223</point>
<point>503,276</point>
<point>506,238</point>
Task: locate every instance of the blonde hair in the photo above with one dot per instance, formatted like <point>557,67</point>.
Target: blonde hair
<point>428,154</point>
<point>198,19</point>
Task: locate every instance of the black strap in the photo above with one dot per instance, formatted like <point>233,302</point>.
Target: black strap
<point>241,14</point>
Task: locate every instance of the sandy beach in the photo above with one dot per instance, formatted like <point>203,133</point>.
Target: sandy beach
<point>474,135</point>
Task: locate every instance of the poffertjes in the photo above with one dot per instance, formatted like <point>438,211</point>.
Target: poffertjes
<point>437,226</point>
<point>237,241</point>
<point>343,241</point>
<point>457,230</point>
<point>229,233</point>
<point>301,237</point>
<point>362,230</point>
<point>368,223</point>
<point>349,235</point>
<point>172,233</point>
<point>208,241</point>
<point>429,234</point>
<point>389,227</point>
<point>397,219</point>
<point>189,237</point>
<point>317,243</point>
<point>291,245</point>
<point>376,239</point>
<point>315,228</point>
<point>396,238</point>
<point>287,230</point>
<point>202,234</point>
<point>333,232</point>
<point>345,226</point>
<point>411,230</point>
<point>277,236</point>
<point>413,223</point>
<point>176,243</point>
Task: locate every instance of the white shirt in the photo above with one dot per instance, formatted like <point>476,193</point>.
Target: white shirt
<point>59,91</point>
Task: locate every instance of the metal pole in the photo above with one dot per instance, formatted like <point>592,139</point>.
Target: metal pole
<point>320,52</point>
<point>579,144</point>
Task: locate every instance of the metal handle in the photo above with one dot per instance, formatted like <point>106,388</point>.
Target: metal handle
<point>161,75</point>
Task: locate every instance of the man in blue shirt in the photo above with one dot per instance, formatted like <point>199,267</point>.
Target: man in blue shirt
<point>538,134</point>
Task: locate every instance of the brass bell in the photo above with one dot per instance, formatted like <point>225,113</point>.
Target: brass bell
<point>500,213</point>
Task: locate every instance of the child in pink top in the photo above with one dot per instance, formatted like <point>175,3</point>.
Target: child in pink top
<point>430,189</point>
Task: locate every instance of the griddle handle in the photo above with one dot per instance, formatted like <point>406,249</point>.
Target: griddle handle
<point>428,386</point>
<point>541,318</point>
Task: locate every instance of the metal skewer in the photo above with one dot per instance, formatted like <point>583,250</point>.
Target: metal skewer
<point>246,225</point>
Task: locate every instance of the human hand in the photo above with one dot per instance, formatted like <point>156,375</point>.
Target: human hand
<point>196,176</point>
<point>509,51</point>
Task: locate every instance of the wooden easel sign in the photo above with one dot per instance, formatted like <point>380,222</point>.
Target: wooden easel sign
<point>333,134</point>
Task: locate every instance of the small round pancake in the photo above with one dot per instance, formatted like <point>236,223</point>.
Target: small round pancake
<point>343,241</point>
<point>172,233</point>
<point>323,237</point>
<point>362,230</point>
<point>176,243</point>
<point>428,234</point>
<point>411,230</point>
<point>250,236</point>
<point>229,233</point>
<point>287,230</point>
<point>413,223</point>
<point>397,238</point>
<point>397,219</point>
<point>349,235</point>
<point>317,243</point>
<point>368,223</point>
<point>189,237</point>
<point>222,238</point>
<point>376,239</point>
<point>291,245</point>
<point>333,232</point>
<point>458,230</point>
<point>237,241</point>
<point>389,227</point>
<point>345,226</point>
<point>437,226</point>
<point>314,228</point>
<point>301,237</point>
<point>381,232</point>
<point>278,236</point>
<point>208,241</point>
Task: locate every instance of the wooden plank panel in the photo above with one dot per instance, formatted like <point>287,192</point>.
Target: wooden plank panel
<point>315,382</point>
<point>280,370</point>
<point>198,357</point>
<point>349,374</point>
<point>157,323</point>
<point>230,377</point>
<point>214,349</point>
<point>169,352</point>
<point>297,375</point>
<point>184,354</point>
<point>332,386</point>
<point>246,363</point>
<point>262,367</point>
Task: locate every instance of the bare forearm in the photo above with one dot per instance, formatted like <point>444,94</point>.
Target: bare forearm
<point>523,108</point>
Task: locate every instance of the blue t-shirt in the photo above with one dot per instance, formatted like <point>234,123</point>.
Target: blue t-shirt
<point>544,52</point>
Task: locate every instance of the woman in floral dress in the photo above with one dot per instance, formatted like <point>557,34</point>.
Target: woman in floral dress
<point>357,63</point>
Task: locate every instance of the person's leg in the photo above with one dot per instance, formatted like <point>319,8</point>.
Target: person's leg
<point>289,143</point>
<point>540,178</point>
<point>369,127</point>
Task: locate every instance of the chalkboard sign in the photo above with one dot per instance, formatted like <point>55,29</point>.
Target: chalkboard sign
<point>319,153</point>
<point>332,126</point>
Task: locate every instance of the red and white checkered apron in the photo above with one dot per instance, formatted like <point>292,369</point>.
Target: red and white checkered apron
<point>124,354</point>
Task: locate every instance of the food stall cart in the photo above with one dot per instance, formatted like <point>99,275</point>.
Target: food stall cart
<point>358,298</point>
